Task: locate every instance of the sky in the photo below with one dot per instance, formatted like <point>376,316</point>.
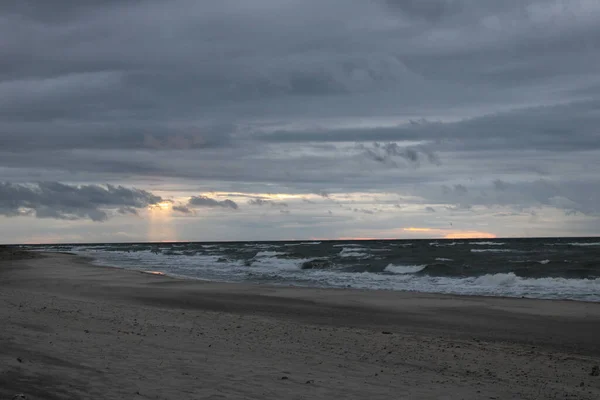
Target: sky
<point>144,120</point>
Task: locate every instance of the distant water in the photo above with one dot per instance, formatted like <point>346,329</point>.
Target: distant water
<point>562,268</point>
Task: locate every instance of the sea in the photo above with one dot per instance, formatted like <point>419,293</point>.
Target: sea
<point>547,268</point>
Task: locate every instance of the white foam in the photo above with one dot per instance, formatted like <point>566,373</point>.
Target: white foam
<point>268,265</point>
<point>269,254</point>
<point>492,251</point>
<point>353,253</point>
<point>261,245</point>
<point>544,262</point>
<point>443,259</point>
<point>540,287</point>
<point>404,269</point>
<point>438,244</point>
<point>272,269</point>
<point>579,244</point>
<point>302,243</point>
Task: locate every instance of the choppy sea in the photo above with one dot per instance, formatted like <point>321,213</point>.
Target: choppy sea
<point>557,268</point>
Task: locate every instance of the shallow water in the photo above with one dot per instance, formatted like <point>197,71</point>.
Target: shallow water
<point>556,268</point>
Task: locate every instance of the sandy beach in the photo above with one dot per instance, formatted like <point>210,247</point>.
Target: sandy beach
<point>71,330</point>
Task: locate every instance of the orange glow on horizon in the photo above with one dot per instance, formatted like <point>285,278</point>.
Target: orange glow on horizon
<point>412,229</point>
<point>363,238</point>
<point>453,234</point>
<point>470,235</point>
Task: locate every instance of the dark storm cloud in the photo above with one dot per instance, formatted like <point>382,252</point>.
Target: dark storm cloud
<point>204,201</point>
<point>560,128</point>
<point>388,153</point>
<point>57,200</point>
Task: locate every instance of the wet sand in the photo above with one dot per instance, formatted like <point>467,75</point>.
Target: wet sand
<point>71,330</point>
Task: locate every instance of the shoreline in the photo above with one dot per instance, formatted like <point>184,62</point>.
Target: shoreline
<point>62,315</point>
<point>91,260</point>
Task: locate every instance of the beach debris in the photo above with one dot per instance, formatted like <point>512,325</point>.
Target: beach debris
<point>283,378</point>
<point>19,359</point>
<point>386,333</point>
<point>595,371</point>
<point>19,396</point>
<point>310,381</point>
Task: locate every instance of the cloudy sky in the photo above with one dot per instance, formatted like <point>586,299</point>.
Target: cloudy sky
<point>137,120</point>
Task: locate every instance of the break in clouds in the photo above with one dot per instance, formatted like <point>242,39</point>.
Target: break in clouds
<point>410,112</point>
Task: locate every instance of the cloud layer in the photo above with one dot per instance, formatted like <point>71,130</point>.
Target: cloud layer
<point>70,202</point>
<point>457,106</point>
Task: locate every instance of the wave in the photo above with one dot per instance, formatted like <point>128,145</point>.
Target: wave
<point>403,269</point>
<point>576,244</point>
<point>493,251</point>
<point>520,271</point>
<point>302,243</point>
<point>270,264</point>
<point>269,254</point>
<point>353,253</point>
<point>261,245</point>
<point>317,264</point>
<point>441,269</point>
<point>488,243</point>
<point>511,279</point>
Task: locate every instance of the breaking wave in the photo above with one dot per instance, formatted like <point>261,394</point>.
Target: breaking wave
<point>403,269</point>
<point>524,267</point>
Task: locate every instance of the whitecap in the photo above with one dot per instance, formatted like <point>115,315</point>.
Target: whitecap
<point>403,269</point>
<point>492,251</point>
<point>438,244</point>
<point>269,253</point>
<point>353,253</point>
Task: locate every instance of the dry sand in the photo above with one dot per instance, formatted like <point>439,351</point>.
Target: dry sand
<point>70,330</point>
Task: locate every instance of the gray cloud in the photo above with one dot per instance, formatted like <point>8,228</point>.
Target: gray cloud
<point>61,201</point>
<point>262,202</point>
<point>572,197</point>
<point>388,153</point>
<point>203,201</point>
<point>491,95</point>
<point>182,209</point>
<point>431,10</point>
